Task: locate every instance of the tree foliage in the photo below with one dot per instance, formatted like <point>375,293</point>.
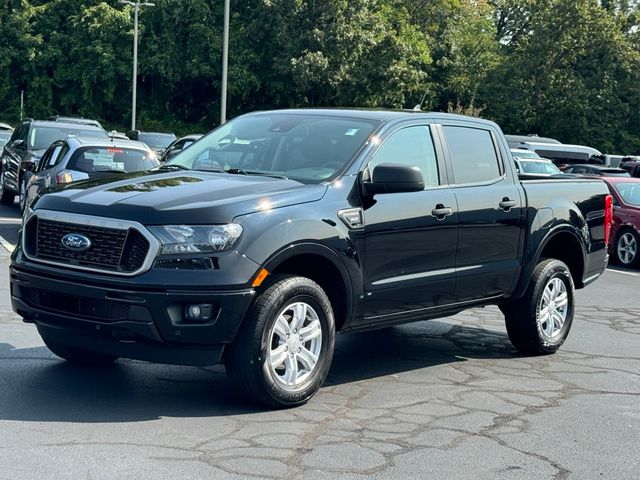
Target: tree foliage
<point>562,68</point>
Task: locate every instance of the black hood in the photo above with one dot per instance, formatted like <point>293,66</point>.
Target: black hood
<point>179,197</point>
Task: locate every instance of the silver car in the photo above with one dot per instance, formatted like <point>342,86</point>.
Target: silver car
<point>78,158</point>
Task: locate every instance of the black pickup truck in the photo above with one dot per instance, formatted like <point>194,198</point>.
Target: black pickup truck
<point>279,229</point>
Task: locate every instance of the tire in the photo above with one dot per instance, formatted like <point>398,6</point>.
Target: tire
<point>6,197</point>
<point>530,331</point>
<point>257,360</point>
<point>626,250</point>
<point>78,355</point>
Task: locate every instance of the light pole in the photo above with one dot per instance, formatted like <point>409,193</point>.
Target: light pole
<point>136,7</point>
<point>225,63</point>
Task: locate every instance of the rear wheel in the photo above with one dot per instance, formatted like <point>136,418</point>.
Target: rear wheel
<point>539,322</point>
<point>78,355</point>
<point>282,353</point>
<point>627,248</point>
<point>6,197</point>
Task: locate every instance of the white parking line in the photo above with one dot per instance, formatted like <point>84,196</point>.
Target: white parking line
<point>7,245</point>
<point>624,273</point>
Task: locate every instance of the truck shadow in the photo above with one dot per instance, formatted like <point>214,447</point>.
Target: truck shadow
<point>37,386</point>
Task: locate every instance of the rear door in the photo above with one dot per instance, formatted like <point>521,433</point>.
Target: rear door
<point>409,253</point>
<point>490,209</point>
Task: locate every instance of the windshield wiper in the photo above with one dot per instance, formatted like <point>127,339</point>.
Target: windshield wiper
<point>172,166</point>
<point>110,171</point>
<point>239,171</point>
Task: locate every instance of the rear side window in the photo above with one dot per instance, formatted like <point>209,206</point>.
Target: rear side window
<point>473,154</point>
<point>109,159</point>
<point>411,146</point>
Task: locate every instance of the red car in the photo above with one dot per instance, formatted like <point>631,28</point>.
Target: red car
<point>625,229</point>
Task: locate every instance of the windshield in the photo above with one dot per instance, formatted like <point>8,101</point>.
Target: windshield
<point>307,148</point>
<point>41,137</point>
<point>110,159</point>
<point>524,154</point>
<point>157,140</point>
<point>546,168</point>
<point>629,191</point>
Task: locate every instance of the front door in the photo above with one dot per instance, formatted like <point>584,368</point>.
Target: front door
<point>410,238</point>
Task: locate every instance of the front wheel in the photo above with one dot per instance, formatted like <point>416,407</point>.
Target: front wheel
<point>282,353</point>
<point>539,322</point>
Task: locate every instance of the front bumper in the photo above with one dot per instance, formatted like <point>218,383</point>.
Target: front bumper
<point>145,323</point>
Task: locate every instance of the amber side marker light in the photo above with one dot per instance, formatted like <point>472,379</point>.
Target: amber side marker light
<point>262,274</point>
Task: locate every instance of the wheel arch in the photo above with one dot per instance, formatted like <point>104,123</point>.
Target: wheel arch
<point>322,265</point>
<point>562,243</point>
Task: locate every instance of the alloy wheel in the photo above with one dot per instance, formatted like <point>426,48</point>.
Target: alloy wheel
<point>627,248</point>
<point>295,342</point>
<point>553,308</point>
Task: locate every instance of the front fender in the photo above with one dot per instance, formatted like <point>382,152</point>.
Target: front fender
<point>275,237</point>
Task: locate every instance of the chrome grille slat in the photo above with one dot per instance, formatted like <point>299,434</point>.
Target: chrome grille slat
<point>118,247</point>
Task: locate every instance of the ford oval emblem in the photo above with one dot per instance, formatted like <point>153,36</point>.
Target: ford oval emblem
<point>76,242</point>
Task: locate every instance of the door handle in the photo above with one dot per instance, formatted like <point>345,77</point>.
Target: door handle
<point>441,212</point>
<point>506,204</point>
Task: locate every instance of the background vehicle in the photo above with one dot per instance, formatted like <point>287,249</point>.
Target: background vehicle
<point>73,159</point>
<point>540,167</point>
<point>5,135</point>
<point>158,142</point>
<point>118,135</point>
<point>596,170</point>
<point>78,120</point>
<point>178,145</point>
<point>524,153</point>
<point>561,154</point>
<point>625,229</point>
<point>278,229</point>
<point>27,144</point>
<point>613,161</point>
<point>632,166</point>
<point>515,141</point>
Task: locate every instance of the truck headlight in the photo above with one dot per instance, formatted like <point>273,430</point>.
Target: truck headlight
<point>177,239</point>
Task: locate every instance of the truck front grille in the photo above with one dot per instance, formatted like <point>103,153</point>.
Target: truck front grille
<point>117,250</point>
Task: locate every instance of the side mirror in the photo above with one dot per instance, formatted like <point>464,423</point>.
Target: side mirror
<point>394,178</point>
<point>19,143</point>
<point>28,166</point>
<point>171,154</point>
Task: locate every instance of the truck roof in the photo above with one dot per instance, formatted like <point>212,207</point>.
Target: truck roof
<point>382,115</point>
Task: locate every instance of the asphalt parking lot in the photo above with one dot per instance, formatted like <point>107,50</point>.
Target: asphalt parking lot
<point>447,399</point>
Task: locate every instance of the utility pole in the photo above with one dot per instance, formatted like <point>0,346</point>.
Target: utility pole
<point>21,103</point>
<point>225,63</point>
<point>136,7</point>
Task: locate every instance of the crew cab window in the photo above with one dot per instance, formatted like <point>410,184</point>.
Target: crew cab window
<point>410,146</point>
<point>473,154</point>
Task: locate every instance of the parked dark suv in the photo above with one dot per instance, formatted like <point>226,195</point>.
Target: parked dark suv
<point>25,148</point>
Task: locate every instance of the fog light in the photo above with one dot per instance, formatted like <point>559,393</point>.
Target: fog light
<point>198,312</point>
